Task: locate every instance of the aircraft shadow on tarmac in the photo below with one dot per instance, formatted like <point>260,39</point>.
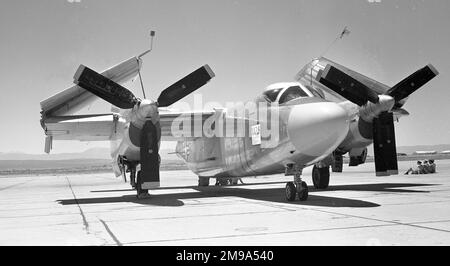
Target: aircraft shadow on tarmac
<point>265,194</point>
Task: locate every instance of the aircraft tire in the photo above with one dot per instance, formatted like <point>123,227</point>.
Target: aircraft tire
<point>303,194</point>
<point>203,181</point>
<point>291,191</point>
<point>321,177</point>
<point>223,181</point>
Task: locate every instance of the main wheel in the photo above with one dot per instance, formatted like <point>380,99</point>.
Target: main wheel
<point>222,181</point>
<point>303,194</point>
<point>321,177</point>
<point>203,181</point>
<point>291,191</point>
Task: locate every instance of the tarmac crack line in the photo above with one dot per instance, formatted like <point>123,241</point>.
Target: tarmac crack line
<point>85,222</point>
<point>261,234</point>
<point>111,233</point>
<point>385,221</point>
<point>378,220</point>
<point>15,185</point>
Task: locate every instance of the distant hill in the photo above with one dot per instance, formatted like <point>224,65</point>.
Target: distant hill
<point>168,154</point>
<point>94,160</point>
<point>93,153</point>
<point>411,149</point>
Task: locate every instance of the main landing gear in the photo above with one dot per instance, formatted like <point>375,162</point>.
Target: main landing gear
<point>321,177</point>
<point>203,181</point>
<point>298,187</point>
<point>220,181</point>
<point>128,167</point>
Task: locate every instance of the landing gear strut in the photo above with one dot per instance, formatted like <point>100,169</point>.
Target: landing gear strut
<point>128,167</point>
<point>337,164</point>
<point>203,181</point>
<point>133,177</point>
<point>298,187</point>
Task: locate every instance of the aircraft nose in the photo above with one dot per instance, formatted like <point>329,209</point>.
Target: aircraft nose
<point>316,129</point>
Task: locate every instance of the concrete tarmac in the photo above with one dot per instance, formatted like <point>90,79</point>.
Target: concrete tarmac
<point>357,209</point>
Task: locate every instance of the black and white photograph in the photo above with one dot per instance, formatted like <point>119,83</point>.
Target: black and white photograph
<point>244,125</point>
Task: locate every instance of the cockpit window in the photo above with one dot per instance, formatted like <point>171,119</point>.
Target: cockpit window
<point>292,93</point>
<point>272,95</point>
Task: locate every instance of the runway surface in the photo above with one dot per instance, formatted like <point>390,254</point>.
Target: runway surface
<point>358,209</point>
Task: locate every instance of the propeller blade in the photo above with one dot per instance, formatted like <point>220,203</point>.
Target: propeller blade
<point>347,86</point>
<point>104,88</point>
<point>384,145</point>
<point>185,86</point>
<point>149,175</point>
<point>412,83</point>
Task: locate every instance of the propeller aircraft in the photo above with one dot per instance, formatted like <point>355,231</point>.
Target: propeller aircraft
<point>328,111</point>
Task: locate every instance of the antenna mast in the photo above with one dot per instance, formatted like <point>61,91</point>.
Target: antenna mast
<point>152,35</point>
<point>345,32</point>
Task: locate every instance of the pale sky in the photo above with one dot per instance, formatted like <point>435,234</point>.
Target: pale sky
<point>248,43</point>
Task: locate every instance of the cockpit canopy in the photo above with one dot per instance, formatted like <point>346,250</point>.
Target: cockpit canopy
<point>285,92</point>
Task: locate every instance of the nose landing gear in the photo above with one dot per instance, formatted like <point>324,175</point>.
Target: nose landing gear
<point>298,187</point>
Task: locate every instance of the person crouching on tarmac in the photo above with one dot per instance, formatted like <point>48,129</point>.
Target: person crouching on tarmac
<point>417,170</point>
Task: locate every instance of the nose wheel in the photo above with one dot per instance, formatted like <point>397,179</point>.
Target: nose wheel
<point>291,191</point>
<point>296,188</point>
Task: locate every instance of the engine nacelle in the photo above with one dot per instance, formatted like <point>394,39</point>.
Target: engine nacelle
<point>357,156</point>
<point>360,135</point>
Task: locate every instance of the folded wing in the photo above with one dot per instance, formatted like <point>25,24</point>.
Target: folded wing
<point>83,127</point>
<point>74,98</point>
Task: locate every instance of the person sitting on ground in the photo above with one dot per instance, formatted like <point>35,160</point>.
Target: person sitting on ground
<point>415,171</point>
<point>432,166</point>
<point>426,168</point>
